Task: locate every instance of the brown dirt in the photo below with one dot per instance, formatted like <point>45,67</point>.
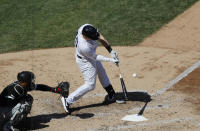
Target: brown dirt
<point>182,33</point>
<point>158,60</point>
<point>190,85</point>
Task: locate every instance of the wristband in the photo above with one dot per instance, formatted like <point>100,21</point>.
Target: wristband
<point>109,48</point>
<point>57,90</point>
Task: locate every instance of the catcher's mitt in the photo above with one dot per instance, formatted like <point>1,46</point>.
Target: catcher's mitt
<point>63,88</point>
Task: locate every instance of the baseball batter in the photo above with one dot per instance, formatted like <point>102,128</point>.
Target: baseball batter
<point>86,43</point>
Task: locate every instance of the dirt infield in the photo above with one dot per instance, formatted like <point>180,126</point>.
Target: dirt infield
<point>190,86</point>
<point>157,61</point>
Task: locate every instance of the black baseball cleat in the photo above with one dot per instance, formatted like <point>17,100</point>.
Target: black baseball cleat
<point>110,98</point>
<point>65,105</point>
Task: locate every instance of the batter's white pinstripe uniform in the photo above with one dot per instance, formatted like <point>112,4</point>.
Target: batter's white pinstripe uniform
<point>89,66</point>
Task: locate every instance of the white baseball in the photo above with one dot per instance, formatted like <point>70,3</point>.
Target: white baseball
<point>134,75</point>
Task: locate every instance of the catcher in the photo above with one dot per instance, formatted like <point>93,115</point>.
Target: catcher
<point>16,103</point>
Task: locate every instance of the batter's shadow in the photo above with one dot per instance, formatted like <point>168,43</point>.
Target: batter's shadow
<point>135,96</point>
<point>38,122</point>
<point>132,96</point>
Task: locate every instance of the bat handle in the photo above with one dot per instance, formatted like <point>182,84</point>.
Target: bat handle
<point>117,64</point>
<point>120,76</point>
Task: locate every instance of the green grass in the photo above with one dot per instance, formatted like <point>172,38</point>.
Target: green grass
<point>29,24</point>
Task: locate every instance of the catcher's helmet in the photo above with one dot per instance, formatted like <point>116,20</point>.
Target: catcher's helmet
<point>28,77</point>
<point>90,32</point>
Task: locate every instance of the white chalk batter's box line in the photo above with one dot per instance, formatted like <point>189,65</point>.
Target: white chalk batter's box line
<point>177,79</point>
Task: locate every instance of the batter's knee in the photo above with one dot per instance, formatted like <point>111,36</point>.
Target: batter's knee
<point>90,86</point>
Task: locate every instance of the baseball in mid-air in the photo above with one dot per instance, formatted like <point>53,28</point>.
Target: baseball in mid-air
<point>134,75</point>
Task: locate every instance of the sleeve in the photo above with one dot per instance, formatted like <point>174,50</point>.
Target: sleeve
<point>16,92</point>
<point>43,87</point>
<point>11,95</point>
<point>92,55</point>
<point>102,58</point>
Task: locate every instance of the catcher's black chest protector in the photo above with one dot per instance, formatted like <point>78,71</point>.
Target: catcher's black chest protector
<point>12,94</point>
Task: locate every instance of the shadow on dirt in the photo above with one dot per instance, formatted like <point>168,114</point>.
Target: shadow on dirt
<point>39,122</point>
<point>132,96</point>
<point>135,96</point>
<point>85,115</point>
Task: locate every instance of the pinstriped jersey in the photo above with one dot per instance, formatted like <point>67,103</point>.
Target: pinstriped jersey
<point>85,48</point>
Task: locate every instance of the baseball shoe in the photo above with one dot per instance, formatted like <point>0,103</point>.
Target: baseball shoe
<point>110,99</point>
<point>65,105</point>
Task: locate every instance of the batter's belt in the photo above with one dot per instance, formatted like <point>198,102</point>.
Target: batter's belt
<point>79,56</point>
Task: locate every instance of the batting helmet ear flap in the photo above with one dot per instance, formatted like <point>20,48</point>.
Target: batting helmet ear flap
<point>90,32</point>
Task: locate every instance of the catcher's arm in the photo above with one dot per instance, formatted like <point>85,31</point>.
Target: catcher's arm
<point>62,88</point>
<point>43,87</point>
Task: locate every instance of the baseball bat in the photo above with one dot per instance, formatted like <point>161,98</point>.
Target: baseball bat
<point>123,84</point>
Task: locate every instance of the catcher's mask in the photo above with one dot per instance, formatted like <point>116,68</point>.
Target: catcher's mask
<point>90,32</point>
<point>28,77</point>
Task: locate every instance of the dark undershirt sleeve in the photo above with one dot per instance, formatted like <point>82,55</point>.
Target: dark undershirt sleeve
<point>43,87</point>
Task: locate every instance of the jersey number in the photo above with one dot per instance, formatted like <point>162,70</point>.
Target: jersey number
<point>76,41</point>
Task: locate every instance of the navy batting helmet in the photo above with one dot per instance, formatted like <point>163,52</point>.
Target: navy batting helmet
<point>90,32</point>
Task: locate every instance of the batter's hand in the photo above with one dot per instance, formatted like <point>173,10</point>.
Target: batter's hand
<point>114,54</point>
<point>115,61</point>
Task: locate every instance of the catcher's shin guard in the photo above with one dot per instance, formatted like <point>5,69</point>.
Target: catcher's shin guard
<point>8,126</point>
<point>21,110</point>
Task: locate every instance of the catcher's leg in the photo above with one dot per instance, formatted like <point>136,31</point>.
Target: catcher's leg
<point>19,112</point>
<point>4,116</point>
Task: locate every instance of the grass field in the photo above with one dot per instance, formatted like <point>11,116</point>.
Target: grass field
<point>34,24</point>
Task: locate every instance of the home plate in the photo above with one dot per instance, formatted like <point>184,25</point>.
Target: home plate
<point>134,117</point>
